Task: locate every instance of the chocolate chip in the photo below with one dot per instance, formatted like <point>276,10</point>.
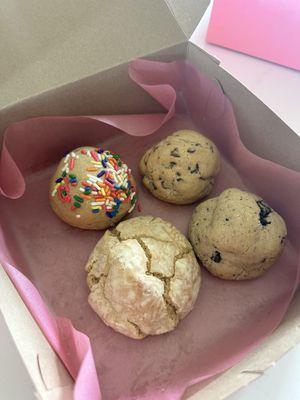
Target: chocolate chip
<point>163,184</point>
<point>178,173</point>
<point>197,144</point>
<point>282,239</point>
<point>191,150</point>
<point>152,184</point>
<point>265,210</point>
<point>226,219</point>
<point>172,164</point>
<point>263,260</point>
<point>175,152</point>
<point>195,170</point>
<point>179,179</point>
<point>216,257</point>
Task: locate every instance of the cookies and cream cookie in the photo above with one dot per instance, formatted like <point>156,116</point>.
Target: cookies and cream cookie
<point>92,188</point>
<point>237,235</point>
<point>181,168</point>
<point>143,277</point>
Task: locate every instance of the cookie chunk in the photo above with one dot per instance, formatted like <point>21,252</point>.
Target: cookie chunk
<point>143,277</point>
<point>92,188</point>
<point>181,168</point>
<point>237,235</point>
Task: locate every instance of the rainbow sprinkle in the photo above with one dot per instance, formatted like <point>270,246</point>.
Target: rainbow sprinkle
<point>106,186</point>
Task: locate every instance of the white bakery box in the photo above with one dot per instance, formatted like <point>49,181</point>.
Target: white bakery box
<point>71,58</point>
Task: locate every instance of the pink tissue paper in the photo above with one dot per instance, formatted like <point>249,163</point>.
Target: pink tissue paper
<point>45,258</point>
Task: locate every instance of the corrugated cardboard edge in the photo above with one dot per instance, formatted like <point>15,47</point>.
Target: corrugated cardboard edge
<point>49,376</point>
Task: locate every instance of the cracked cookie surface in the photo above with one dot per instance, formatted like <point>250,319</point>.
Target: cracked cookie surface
<point>143,277</point>
<point>181,168</point>
<point>237,235</point>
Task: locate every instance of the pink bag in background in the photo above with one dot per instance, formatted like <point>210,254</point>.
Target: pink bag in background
<point>229,319</point>
<point>268,29</point>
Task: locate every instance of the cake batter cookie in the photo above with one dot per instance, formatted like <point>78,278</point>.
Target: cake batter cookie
<point>181,168</point>
<point>237,235</point>
<point>143,277</point>
<point>92,188</point>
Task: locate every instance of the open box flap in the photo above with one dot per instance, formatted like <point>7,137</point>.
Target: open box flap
<point>48,44</point>
<point>188,13</point>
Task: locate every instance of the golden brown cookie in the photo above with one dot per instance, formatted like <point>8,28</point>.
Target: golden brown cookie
<point>92,188</point>
<point>143,277</point>
<point>237,235</point>
<point>181,168</point>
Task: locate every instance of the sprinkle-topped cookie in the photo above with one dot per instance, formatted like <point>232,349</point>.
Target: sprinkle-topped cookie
<point>92,188</point>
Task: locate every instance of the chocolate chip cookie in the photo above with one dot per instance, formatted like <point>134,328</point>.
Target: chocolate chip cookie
<point>181,168</point>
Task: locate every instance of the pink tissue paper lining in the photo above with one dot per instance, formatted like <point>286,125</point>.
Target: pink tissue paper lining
<point>229,319</point>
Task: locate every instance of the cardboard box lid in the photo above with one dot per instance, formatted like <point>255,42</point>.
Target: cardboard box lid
<point>188,13</point>
<point>45,44</point>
